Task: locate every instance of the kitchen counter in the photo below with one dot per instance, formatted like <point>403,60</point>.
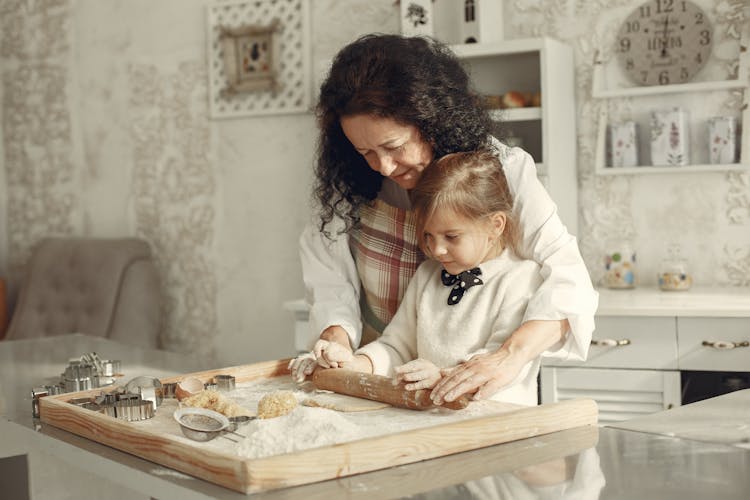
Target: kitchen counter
<point>581,463</point>
<point>723,419</point>
<point>726,302</point>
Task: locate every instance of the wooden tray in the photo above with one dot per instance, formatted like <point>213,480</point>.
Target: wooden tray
<point>317,464</point>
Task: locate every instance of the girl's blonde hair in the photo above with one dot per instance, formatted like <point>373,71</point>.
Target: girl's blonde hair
<point>471,184</point>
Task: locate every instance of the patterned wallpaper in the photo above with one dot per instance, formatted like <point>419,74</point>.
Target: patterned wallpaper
<point>163,181</point>
<point>174,196</point>
<point>172,174</point>
<point>707,215</point>
<point>37,134</point>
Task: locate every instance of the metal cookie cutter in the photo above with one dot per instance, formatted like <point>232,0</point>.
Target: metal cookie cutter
<point>39,392</point>
<point>86,372</point>
<point>224,383</point>
<point>168,390</point>
<point>89,372</point>
<point>111,367</point>
<point>148,388</point>
<point>36,394</point>
<point>134,409</point>
<point>78,376</point>
<point>104,369</point>
<point>125,406</point>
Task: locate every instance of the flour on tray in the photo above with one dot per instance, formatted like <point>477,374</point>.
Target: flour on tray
<point>302,429</point>
<point>307,427</point>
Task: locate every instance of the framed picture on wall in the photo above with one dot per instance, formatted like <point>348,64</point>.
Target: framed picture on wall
<point>259,57</point>
<point>250,55</point>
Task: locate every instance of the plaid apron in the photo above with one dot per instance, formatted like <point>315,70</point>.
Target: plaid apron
<point>386,253</point>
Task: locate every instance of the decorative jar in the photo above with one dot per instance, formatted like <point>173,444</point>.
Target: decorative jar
<point>620,270</point>
<point>673,273</point>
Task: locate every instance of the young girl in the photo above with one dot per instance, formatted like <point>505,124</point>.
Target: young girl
<point>465,301</point>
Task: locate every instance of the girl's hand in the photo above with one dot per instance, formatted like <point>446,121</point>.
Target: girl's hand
<point>302,366</point>
<point>483,375</point>
<point>424,373</point>
<point>331,354</point>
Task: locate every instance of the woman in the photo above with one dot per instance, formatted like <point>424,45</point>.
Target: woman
<point>388,107</point>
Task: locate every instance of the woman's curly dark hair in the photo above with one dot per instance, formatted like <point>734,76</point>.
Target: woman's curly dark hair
<point>412,80</point>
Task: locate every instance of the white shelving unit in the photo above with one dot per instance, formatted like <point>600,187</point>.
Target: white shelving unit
<point>548,132</point>
<point>686,95</point>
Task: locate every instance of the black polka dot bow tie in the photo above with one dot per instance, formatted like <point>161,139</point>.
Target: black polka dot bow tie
<point>460,283</point>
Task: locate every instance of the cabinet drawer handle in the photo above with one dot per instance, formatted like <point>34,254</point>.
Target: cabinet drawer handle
<point>610,342</point>
<point>725,345</point>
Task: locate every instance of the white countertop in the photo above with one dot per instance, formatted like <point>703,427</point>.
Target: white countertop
<point>726,302</point>
<point>582,463</point>
<point>723,419</point>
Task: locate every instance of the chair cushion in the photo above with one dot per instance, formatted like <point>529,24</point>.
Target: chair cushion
<point>73,285</point>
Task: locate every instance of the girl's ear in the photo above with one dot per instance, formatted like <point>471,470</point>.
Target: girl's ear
<point>497,222</point>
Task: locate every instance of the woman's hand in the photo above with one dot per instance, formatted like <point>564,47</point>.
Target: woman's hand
<point>333,348</point>
<point>304,365</point>
<point>423,373</point>
<point>331,354</point>
<point>485,374</point>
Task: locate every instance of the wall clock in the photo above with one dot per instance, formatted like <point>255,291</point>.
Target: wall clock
<point>664,42</point>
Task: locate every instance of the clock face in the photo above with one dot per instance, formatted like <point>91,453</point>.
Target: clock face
<point>664,42</point>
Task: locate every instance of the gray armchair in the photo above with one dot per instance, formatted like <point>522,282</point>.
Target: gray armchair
<point>99,287</point>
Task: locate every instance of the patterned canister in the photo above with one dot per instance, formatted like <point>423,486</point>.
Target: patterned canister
<point>722,140</point>
<point>623,139</point>
<point>670,137</point>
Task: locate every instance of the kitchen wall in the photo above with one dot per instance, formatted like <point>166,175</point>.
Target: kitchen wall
<point>106,132</point>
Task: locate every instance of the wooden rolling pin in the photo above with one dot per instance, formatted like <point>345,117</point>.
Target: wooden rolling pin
<point>378,388</point>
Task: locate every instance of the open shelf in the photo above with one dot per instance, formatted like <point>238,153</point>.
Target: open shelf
<point>516,114</point>
<point>506,47</point>
<point>546,132</point>
<point>648,169</point>
<point>669,89</point>
<point>701,99</point>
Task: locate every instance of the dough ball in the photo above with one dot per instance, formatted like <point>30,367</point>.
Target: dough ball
<point>276,404</point>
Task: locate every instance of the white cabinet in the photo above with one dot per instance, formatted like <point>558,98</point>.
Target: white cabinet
<point>620,394</point>
<point>714,344</point>
<point>547,132</point>
<point>644,338</point>
<point>633,342</point>
<point>631,369</point>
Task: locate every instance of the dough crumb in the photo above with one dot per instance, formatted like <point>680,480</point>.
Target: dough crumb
<point>213,400</point>
<point>276,404</point>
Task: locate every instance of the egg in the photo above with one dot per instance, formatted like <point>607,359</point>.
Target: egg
<point>187,387</point>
